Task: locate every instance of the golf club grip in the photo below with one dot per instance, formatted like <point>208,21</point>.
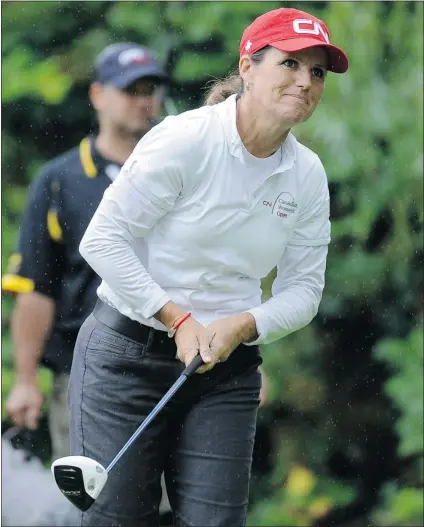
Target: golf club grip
<point>193,366</point>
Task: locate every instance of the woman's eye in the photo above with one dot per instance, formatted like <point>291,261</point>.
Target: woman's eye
<point>318,72</point>
<point>290,63</point>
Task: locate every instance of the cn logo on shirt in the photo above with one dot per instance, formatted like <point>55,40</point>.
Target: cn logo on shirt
<point>283,206</point>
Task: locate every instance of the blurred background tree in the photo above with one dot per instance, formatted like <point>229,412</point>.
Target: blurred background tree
<point>341,442</point>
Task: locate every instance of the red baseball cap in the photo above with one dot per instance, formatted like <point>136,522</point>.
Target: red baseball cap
<point>291,30</point>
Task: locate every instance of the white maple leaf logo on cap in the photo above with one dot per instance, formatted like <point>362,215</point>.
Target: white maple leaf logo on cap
<point>248,45</point>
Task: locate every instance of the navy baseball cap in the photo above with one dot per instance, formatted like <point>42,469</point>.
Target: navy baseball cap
<point>122,64</point>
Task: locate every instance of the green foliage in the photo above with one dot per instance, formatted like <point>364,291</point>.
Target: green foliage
<point>405,506</point>
<point>44,80</point>
<point>302,500</point>
<point>406,387</point>
<point>327,380</point>
<point>402,506</point>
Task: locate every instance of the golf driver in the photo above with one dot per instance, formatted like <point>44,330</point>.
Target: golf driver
<point>82,479</point>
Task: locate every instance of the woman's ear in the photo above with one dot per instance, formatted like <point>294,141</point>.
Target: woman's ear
<point>245,65</point>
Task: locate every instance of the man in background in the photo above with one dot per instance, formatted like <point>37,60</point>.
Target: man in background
<point>55,288</point>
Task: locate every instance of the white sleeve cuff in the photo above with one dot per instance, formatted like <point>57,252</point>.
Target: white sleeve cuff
<point>261,325</point>
<point>310,243</point>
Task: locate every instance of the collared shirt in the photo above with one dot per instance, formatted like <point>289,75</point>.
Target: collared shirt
<point>195,219</point>
<point>61,202</point>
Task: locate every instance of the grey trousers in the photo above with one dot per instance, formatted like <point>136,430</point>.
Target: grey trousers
<point>203,440</point>
<point>59,427</point>
<point>59,416</point>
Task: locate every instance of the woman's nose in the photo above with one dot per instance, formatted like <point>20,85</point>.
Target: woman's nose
<point>304,78</point>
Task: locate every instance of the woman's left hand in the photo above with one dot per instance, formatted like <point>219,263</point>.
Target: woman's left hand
<point>228,333</point>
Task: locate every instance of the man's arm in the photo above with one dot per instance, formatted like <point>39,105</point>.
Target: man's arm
<point>31,323</point>
<point>32,320</point>
<point>34,276</point>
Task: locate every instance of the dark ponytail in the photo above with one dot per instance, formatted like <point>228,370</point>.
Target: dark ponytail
<point>221,89</point>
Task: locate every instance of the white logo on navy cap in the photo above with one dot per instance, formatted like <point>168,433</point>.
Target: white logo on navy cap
<point>133,56</point>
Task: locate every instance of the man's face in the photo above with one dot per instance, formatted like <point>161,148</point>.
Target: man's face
<point>287,86</point>
<point>131,110</point>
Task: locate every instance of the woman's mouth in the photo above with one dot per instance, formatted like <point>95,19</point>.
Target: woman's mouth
<point>300,97</point>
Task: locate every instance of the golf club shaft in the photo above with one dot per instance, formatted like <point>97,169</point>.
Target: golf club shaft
<point>191,368</point>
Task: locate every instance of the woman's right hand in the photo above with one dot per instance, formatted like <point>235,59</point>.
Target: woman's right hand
<point>192,338</point>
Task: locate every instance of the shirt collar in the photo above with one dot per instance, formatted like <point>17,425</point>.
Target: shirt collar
<point>228,114</point>
<point>93,163</point>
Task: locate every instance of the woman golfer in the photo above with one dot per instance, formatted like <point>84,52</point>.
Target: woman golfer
<point>209,202</point>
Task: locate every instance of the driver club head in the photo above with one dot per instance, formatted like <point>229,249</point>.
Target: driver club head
<point>80,479</point>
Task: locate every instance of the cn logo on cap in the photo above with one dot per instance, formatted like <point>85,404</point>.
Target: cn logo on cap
<point>312,28</point>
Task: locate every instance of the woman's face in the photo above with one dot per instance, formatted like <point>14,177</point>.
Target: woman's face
<point>286,86</point>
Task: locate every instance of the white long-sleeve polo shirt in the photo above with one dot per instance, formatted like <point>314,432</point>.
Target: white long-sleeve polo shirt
<point>194,218</point>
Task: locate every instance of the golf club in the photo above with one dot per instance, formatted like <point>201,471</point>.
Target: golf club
<point>81,479</point>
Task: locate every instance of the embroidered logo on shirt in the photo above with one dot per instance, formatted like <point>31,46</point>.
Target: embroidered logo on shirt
<point>283,206</point>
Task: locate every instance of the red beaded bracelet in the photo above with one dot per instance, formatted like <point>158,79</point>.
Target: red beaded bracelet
<point>177,324</point>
